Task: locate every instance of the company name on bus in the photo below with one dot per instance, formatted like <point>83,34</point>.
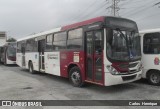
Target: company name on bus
<point>52,56</point>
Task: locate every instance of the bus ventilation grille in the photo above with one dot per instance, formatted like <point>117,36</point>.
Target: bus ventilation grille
<point>127,78</point>
<point>133,65</point>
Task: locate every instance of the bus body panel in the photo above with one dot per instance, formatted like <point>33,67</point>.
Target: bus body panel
<point>32,57</point>
<point>19,59</point>
<point>70,58</point>
<point>149,63</point>
<point>8,62</point>
<point>114,80</point>
<point>52,63</point>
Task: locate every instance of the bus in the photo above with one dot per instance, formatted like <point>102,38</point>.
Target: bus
<point>104,50</point>
<point>8,53</point>
<point>150,40</point>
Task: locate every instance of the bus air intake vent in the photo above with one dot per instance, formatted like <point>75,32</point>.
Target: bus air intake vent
<point>127,78</point>
<point>133,65</point>
<point>123,66</point>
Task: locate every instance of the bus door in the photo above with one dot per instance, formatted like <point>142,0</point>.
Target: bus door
<point>41,48</point>
<point>94,56</point>
<point>23,51</point>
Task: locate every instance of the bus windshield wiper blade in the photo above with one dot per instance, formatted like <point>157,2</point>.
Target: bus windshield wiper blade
<point>125,37</point>
<point>121,33</point>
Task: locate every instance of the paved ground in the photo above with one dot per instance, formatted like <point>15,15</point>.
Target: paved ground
<point>19,84</point>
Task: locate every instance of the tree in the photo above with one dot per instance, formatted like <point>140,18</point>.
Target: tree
<point>11,40</point>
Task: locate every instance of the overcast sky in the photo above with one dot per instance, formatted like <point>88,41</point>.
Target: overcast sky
<point>20,18</point>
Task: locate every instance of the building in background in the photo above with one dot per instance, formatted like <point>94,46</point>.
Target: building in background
<point>3,38</point>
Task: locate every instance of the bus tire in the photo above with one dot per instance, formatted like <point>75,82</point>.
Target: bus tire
<point>154,78</point>
<point>75,77</point>
<point>31,69</point>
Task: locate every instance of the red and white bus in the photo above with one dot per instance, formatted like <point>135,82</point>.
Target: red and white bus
<point>8,53</point>
<point>102,50</point>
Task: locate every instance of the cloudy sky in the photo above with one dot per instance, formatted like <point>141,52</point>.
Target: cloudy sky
<point>20,18</point>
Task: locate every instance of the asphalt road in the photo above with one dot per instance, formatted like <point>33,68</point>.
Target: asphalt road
<point>18,84</point>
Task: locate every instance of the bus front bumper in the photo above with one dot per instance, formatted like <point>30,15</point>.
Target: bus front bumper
<point>121,79</point>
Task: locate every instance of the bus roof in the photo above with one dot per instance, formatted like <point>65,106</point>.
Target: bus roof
<point>149,30</point>
<point>40,34</point>
<point>90,21</point>
<point>10,42</point>
<point>63,28</point>
<point>72,26</point>
<point>86,22</point>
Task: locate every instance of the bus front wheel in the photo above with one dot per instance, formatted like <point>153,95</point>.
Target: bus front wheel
<point>154,78</point>
<point>75,77</point>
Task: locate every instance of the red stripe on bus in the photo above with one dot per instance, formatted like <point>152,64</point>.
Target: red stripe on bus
<point>97,19</point>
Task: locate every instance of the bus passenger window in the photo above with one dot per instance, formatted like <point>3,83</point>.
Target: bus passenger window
<point>59,41</point>
<point>49,40</point>
<point>75,39</point>
<point>151,43</point>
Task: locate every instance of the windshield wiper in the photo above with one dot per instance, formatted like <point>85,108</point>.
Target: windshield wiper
<point>121,34</point>
<point>125,37</point>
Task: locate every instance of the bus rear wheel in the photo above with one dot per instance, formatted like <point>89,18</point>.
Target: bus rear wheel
<point>75,77</point>
<point>154,78</point>
<point>31,69</point>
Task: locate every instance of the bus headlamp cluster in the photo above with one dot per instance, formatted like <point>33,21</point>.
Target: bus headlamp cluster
<point>112,70</point>
<point>140,66</point>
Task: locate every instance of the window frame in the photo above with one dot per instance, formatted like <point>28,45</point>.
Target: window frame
<point>53,40</point>
<point>35,48</point>
<point>151,36</point>
<point>79,38</point>
<point>51,49</point>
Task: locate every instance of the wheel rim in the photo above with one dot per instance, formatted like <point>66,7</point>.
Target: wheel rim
<point>75,77</point>
<point>155,78</point>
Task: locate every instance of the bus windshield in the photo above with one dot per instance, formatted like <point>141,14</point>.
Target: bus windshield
<point>123,46</point>
<point>11,51</point>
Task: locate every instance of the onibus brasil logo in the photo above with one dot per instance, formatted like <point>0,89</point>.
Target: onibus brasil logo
<point>21,103</point>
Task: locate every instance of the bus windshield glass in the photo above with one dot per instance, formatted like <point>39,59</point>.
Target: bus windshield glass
<point>123,46</point>
<point>11,51</point>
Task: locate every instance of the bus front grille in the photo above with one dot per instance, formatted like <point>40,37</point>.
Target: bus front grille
<point>127,78</point>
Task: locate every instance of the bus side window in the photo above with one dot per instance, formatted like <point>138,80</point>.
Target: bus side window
<point>22,50</point>
<point>49,46</point>
<point>151,43</point>
<point>59,41</point>
<point>74,40</point>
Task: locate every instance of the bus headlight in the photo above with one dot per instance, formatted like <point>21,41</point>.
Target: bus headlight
<point>140,66</point>
<point>112,70</point>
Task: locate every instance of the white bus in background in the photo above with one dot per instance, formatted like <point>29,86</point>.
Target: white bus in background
<point>8,53</point>
<point>150,45</point>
